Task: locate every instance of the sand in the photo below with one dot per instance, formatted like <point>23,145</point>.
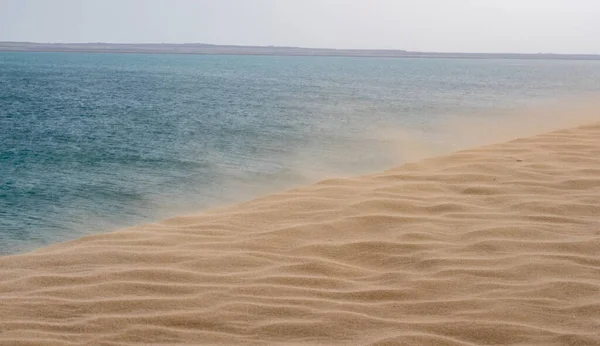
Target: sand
<point>498,245</point>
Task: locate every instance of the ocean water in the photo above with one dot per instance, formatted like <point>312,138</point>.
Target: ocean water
<point>94,142</point>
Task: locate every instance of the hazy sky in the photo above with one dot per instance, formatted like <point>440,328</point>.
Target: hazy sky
<point>559,26</point>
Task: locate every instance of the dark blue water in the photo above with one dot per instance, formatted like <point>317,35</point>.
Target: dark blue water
<point>93,142</point>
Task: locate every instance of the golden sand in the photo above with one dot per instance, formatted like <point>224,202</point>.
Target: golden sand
<point>498,245</point>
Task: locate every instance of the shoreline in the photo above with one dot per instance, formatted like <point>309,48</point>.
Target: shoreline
<point>413,149</point>
<point>496,244</point>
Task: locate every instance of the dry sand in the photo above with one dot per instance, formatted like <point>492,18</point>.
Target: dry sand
<point>496,245</point>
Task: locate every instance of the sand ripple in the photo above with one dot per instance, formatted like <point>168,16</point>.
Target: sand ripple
<point>494,246</point>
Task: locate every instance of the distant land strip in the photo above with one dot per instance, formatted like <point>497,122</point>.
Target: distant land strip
<point>211,49</point>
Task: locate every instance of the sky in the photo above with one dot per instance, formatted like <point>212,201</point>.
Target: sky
<point>520,26</point>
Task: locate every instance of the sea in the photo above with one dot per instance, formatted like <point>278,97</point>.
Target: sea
<point>95,142</point>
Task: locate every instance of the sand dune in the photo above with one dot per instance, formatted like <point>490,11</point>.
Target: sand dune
<point>498,245</point>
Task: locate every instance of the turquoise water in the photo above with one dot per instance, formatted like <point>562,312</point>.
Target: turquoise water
<point>94,142</point>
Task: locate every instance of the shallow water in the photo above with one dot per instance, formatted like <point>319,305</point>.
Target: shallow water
<point>93,142</point>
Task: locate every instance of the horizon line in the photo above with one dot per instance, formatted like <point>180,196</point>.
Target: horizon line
<point>306,49</point>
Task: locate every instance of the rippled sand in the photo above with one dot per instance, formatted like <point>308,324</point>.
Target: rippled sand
<point>497,245</point>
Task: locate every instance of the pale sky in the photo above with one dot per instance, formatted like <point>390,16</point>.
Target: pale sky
<point>527,26</point>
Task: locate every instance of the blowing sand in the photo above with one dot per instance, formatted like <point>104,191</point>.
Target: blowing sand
<point>496,245</point>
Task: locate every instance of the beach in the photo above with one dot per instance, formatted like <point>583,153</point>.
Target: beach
<point>496,245</point>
